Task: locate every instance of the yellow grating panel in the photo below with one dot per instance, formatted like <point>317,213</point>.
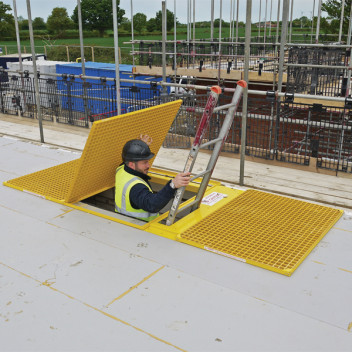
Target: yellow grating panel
<point>94,171</point>
<point>53,182</point>
<point>102,152</point>
<point>264,229</point>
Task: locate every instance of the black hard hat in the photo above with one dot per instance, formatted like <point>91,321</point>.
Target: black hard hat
<point>136,150</point>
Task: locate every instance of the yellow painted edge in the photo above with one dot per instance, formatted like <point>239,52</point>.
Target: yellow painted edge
<point>136,285</point>
<point>62,214</point>
<point>191,243</point>
<point>317,262</point>
<point>7,184</point>
<point>347,271</point>
<point>271,268</point>
<point>338,228</point>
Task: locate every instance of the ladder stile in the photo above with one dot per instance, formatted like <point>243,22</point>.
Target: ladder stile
<point>236,99</point>
<point>204,122</point>
<point>217,142</point>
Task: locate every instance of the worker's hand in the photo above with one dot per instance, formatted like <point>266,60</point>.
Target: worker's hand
<point>146,139</point>
<point>181,180</point>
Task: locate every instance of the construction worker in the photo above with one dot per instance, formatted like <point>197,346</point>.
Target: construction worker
<point>133,193</point>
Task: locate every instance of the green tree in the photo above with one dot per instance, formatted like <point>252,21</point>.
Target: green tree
<point>58,21</point>
<point>333,9</point>
<point>217,23</point>
<point>139,22</point>
<point>305,21</point>
<point>159,19</point>
<point>7,22</point>
<point>38,23</point>
<point>301,22</point>
<point>125,24</point>
<point>24,25</point>
<point>151,25</point>
<point>97,15</point>
<point>327,26</point>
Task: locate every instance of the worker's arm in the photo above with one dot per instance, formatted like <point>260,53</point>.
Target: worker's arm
<point>142,198</point>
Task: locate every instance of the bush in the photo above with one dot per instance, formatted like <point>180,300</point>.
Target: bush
<point>25,33</point>
<point>122,33</point>
<point>8,39</point>
<point>68,34</point>
<point>59,53</point>
<point>74,33</point>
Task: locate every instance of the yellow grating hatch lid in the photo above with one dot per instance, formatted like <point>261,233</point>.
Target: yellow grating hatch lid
<point>52,183</point>
<point>94,171</point>
<point>102,152</point>
<point>263,229</point>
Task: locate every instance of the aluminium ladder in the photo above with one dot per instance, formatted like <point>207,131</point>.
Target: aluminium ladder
<point>217,142</point>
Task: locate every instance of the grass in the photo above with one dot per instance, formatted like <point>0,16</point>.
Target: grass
<point>201,33</point>
<point>57,51</point>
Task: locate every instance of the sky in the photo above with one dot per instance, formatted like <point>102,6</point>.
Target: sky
<point>43,8</point>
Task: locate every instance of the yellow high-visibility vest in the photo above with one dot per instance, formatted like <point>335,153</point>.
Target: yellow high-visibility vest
<point>124,181</point>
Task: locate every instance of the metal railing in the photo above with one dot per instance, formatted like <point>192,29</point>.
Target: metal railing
<point>66,100</point>
<point>318,70</point>
<point>288,132</point>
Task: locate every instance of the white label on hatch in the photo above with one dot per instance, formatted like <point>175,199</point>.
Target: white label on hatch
<point>213,198</point>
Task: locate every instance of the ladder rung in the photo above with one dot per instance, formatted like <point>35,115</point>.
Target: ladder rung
<point>179,210</point>
<point>199,175</point>
<point>213,141</point>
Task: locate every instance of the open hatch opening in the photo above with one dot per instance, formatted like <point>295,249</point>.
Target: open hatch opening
<point>104,202</point>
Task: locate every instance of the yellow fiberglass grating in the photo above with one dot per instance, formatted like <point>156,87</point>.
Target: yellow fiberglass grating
<point>53,182</point>
<point>264,229</point>
<point>102,152</point>
<point>95,170</point>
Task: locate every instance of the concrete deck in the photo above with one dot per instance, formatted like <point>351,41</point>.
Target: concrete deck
<point>73,281</point>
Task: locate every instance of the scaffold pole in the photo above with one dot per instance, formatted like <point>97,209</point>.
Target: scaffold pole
<point>245,93</point>
<point>36,84</point>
